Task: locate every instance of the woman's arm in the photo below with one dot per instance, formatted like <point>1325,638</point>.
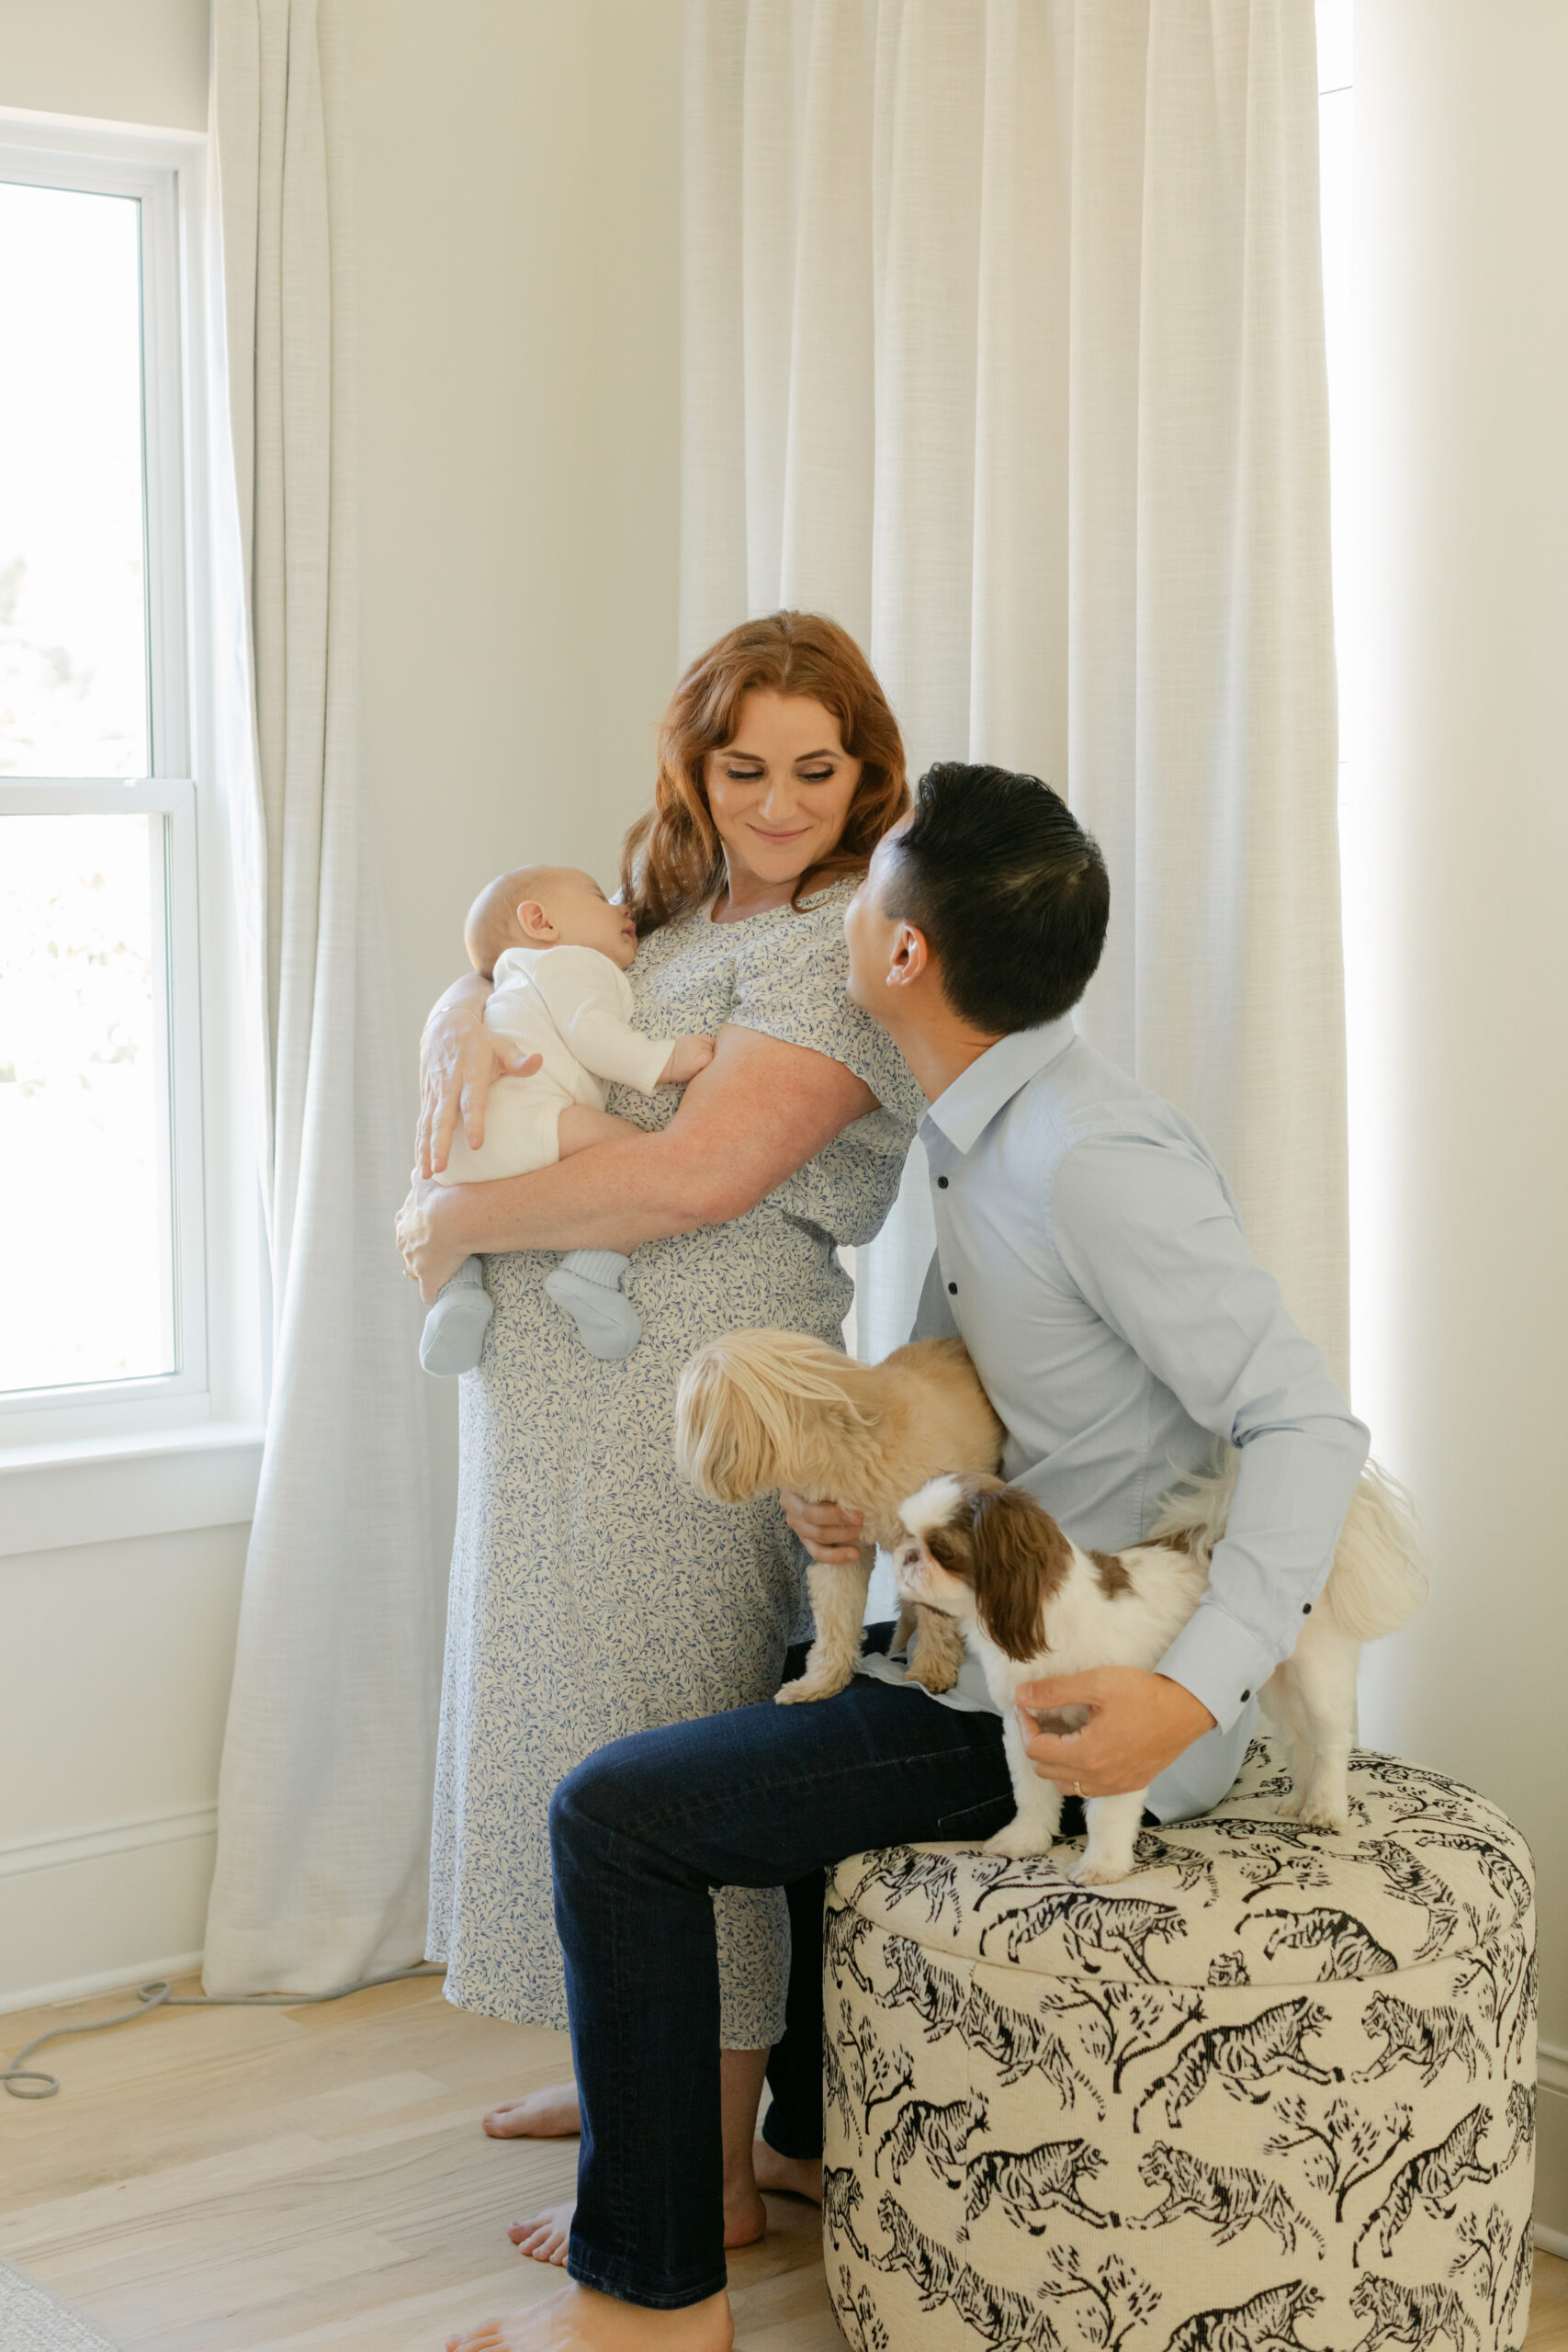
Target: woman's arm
<point>458,1059</point>
<point>760,1111</point>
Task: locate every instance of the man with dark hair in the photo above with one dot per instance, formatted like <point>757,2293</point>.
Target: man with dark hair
<point>1090,1256</point>
<point>1009,892</point>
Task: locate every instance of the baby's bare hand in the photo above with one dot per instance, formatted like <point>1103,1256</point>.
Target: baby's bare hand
<point>689,1055</point>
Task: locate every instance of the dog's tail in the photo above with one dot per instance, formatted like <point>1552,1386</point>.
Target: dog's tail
<point>1378,1579</point>
<point>1192,1516</point>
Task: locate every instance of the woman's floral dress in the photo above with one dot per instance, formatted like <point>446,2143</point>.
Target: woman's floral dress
<point>593,1593</point>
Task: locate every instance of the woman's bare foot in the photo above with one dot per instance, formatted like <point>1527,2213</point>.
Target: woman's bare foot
<point>786,2175</point>
<point>543,2239</point>
<point>741,2075</point>
<point>578,2320</point>
<point>552,2114</point>
<point>745,2218</point>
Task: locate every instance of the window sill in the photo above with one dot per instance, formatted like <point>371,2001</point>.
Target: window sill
<point>100,1490</point>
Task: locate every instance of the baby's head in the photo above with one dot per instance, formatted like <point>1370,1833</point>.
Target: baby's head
<point>545,906</point>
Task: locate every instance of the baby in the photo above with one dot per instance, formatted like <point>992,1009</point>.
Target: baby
<point>557,952</point>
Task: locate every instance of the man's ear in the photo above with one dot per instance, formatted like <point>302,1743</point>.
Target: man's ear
<point>910,958</point>
<point>1021,1559</point>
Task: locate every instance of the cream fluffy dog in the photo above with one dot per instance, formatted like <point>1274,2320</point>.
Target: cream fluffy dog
<point>1031,1604</point>
<point>758,1410</point>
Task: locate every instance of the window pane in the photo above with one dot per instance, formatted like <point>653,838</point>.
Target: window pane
<point>73,598</point>
<point>86,1292</point>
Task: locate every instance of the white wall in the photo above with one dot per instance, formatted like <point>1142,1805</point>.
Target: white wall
<point>118,1659</point>
<point>1458,810</point>
<point>127,61</point>
<point>517,188</point>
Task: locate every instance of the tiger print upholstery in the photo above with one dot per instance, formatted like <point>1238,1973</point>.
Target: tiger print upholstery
<point>1275,2093</point>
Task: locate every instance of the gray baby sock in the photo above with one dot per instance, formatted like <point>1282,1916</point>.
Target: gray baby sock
<point>587,1282</point>
<point>455,1327</point>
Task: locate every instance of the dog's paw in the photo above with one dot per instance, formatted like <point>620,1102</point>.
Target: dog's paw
<point>1098,1872</point>
<point>1320,1812</point>
<point>1020,1841</point>
<point>811,1686</point>
<point>932,1674</point>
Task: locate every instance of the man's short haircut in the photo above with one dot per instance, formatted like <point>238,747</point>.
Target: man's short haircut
<point>1009,891</point>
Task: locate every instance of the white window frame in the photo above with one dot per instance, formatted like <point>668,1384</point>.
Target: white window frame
<point>182,1448</point>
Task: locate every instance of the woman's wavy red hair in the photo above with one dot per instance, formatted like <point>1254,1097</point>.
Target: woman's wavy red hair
<point>672,860</point>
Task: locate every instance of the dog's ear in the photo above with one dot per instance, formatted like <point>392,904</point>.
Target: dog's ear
<point>722,1444</point>
<point>1020,1559</point>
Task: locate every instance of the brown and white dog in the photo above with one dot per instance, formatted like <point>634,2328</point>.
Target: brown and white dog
<point>1031,1604</point>
<point>757,1410</point>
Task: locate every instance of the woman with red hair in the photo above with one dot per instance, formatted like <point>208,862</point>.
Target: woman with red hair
<point>593,1594</point>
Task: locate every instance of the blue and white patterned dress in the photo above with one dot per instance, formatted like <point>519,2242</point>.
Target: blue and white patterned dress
<point>594,1592</point>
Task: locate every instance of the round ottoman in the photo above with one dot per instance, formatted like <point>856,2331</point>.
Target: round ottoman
<point>1276,2091</point>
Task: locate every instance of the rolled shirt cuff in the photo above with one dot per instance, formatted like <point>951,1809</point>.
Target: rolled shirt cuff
<point>651,1060</point>
<point>1222,1663</point>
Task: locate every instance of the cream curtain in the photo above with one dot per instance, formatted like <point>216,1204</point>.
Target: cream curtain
<point>1004,345</point>
<point>325,1798</point>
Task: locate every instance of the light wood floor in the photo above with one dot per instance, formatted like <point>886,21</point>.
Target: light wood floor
<point>292,2180</point>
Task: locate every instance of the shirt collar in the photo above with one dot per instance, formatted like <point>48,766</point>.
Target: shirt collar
<point>972,1101</point>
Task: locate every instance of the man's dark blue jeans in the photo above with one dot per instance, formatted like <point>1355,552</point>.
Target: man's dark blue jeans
<point>763,1797</point>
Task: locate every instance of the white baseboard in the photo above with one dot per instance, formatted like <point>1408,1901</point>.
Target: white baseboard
<point>1551,2067</point>
<point>78,1912</point>
<point>1551,2151</point>
<point>110,1979</point>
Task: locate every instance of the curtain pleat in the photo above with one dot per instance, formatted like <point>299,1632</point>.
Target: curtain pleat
<point>1004,345</point>
<point>328,1758</point>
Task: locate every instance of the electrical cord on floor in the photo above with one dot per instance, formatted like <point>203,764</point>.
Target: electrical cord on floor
<point>156,1995</point>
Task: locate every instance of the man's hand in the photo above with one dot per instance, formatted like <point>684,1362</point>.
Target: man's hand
<point>829,1532</point>
<point>1138,1724</point>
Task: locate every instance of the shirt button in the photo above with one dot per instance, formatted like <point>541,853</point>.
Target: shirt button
<point>954,1288</point>
<point>1245,1696</point>
<point>1306,1609</point>
<point>942,1183</point>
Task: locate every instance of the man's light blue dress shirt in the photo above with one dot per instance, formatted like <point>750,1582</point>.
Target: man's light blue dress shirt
<point>1090,1256</point>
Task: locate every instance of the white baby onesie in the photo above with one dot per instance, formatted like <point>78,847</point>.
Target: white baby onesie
<point>573,1006</point>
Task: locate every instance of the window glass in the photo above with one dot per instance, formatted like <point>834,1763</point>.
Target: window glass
<point>73,572</point>
<point>86,1294</point>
